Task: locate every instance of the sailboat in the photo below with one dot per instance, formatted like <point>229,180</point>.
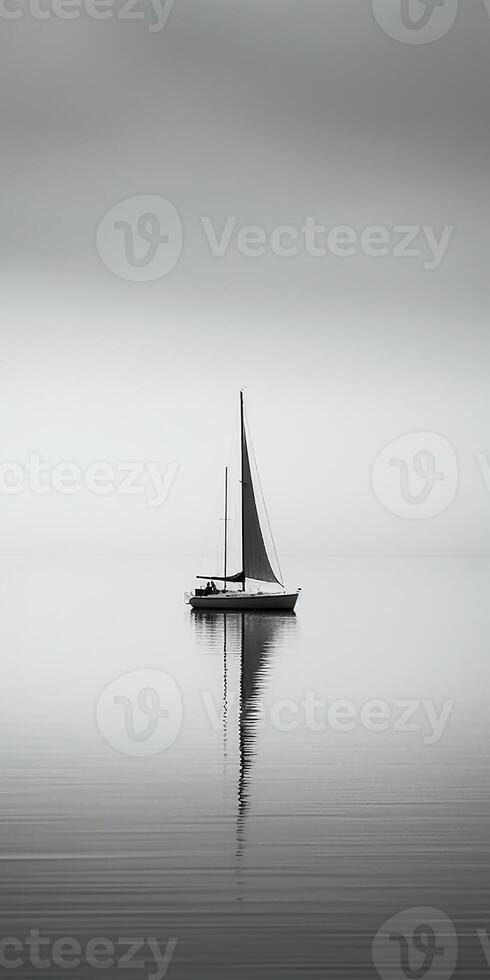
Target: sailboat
<point>256,566</point>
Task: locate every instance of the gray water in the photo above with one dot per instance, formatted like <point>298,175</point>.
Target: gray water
<point>264,839</point>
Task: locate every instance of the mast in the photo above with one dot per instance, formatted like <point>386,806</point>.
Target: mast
<point>226,524</point>
<point>242,433</point>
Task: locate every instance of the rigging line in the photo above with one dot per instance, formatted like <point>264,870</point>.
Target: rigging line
<point>232,452</point>
<point>211,550</point>
<point>263,501</point>
<point>233,467</point>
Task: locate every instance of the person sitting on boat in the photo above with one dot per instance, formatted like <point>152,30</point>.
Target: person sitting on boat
<point>213,587</point>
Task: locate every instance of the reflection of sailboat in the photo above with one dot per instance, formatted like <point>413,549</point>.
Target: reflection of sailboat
<point>256,565</point>
<point>256,638</point>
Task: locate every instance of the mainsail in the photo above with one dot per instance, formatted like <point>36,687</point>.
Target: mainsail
<point>256,562</point>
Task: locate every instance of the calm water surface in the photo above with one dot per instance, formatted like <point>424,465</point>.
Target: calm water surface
<point>265,839</point>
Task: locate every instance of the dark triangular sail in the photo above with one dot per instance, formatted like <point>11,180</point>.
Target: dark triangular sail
<point>256,564</point>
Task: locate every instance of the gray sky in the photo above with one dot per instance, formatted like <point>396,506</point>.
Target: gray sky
<point>267,113</point>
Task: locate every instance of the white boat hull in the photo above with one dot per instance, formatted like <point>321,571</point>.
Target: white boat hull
<point>246,601</point>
